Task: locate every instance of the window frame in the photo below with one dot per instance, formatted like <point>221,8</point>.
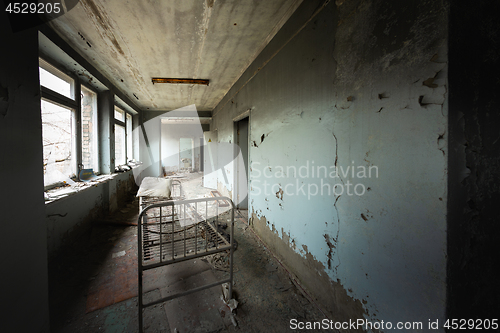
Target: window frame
<point>59,73</point>
<point>73,164</point>
<point>74,103</point>
<point>96,127</point>
<point>128,136</point>
<point>61,100</point>
<point>124,124</point>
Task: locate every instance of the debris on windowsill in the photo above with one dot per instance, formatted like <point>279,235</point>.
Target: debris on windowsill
<point>86,175</point>
<point>54,178</point>
<point>59,192</point>
<point>123,168</point>
<point>133,163</point>
<point>64,189</point>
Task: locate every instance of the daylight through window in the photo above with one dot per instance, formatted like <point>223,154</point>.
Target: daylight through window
<point>90,152</point>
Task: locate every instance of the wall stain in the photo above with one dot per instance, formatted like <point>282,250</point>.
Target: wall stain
<point>103,22</point>
<point>333,297</point>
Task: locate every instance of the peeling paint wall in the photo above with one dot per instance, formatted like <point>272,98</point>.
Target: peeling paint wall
<point>359,87</point>
<point>23,240</point>
<point>70,217</point>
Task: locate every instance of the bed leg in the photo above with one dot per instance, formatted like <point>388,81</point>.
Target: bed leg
<point>231,255</point>
<point>139,270</point>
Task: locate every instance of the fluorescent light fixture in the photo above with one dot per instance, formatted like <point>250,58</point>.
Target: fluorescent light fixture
<point>179,81</point>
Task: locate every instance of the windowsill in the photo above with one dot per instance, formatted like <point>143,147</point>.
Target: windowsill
<point>60,193</point>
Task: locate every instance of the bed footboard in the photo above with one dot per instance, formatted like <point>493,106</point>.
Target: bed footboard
<point>178,230</point>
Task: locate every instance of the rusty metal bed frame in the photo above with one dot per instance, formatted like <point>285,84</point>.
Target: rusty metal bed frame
<point>176,230</point>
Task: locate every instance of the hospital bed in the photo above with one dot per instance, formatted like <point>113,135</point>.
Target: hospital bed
<point>173,229</point>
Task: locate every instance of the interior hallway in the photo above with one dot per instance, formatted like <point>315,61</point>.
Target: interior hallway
<point>370,129</point>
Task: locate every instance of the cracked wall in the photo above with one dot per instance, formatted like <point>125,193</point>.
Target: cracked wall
<point>355,87</point>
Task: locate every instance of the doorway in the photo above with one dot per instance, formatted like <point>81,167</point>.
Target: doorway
<point>242,128</point>
<point>185,154</point>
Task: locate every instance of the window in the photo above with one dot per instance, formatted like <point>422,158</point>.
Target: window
<point>58,125</point>
<point>90,153</point>
<point>124,150</point>
<point>130,151</point>
<point>69,113</point>
<point>55,80</point>
<point>120,137</point>
<point>58,143</point>
<point>120,152</point>
<point>119,114</point>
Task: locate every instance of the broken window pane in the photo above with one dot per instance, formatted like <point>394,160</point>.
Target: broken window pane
<point>90,153</point>
<point>58,146</point>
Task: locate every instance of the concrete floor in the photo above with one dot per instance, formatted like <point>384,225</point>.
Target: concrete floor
<point>93,284</point>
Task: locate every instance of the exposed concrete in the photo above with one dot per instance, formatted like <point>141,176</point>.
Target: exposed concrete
<point>23,240</point>
<point>131,42</point>
<point>70,217</point>
<point>355,84</point>
<point>332,296</point>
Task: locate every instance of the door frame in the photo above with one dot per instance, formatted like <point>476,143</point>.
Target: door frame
<point>243,115</point>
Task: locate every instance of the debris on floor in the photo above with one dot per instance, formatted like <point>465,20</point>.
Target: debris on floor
<point>228,300</point>
<point>118,254</point>
<point>93,285</point>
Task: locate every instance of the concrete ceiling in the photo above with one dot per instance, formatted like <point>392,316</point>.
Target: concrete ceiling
<point>132,41</point>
